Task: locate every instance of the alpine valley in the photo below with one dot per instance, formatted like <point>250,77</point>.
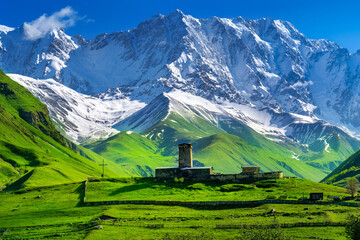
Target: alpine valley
<point>241,91</point>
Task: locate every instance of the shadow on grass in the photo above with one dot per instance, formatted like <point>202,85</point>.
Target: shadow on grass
<point>81,191</point>
<point>131,188</point>
<point>20,182</point>
<point>142,183</point>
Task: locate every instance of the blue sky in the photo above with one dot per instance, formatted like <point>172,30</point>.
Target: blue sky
<point>338,21</point>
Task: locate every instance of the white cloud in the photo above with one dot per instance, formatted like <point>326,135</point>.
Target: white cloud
<point>38,28</point>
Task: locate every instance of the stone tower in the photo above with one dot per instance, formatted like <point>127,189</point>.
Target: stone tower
<point>185,155</point>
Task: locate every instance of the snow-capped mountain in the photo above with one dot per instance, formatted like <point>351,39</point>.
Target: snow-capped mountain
<point>261,63</point>
<point>217,74</point>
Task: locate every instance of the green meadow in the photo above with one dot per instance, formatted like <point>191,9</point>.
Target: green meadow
<point>57,212</point>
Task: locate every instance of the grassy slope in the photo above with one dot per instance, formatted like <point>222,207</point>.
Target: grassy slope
<point>226,153</point>
<point>340,148</point>
<point>109,165</point>
<point>175,129</point>
<point>30,146</point>
<point>349,168</point>
<point>139,155</point>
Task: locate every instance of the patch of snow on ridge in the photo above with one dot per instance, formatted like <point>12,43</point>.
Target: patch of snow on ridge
<point>303,119</point>
<point>192,100</point>
<point>294,156</point>
<point>81,117</point>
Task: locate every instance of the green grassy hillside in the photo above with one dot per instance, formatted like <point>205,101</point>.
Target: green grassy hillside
<point>340,147</point>
<point>226,153</point>
<point>349,168</point>
<point>133,152</point>
<point>175,129</point>
<point>324,155</point>
<point>32,152</point>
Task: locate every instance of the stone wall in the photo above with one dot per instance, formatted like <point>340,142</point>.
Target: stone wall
<point>192,174</point>
<point>245,177</point>
<point>197,174</point>
<point>166,172</point>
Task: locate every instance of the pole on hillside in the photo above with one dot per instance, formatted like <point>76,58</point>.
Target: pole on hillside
<point>103,168</point>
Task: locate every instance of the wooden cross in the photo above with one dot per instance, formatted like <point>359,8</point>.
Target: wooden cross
<point>103,165</point>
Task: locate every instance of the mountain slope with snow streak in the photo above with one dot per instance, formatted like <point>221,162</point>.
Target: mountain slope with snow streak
<point>80,117</point>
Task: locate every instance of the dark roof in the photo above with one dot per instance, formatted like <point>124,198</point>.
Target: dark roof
<point>185,144</point>
<point>166,167</point>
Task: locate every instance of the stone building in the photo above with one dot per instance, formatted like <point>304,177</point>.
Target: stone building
<point>190,173</point>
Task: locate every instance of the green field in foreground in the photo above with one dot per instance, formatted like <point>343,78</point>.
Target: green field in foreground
<point>150,189</point>
<point>57,212</point>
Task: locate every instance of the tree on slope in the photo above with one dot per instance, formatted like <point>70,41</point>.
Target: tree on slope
<point>352,184</point>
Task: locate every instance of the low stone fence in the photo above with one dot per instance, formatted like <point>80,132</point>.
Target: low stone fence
<point>85,188</point>
<point>245,177</point>
<point>219,203</point>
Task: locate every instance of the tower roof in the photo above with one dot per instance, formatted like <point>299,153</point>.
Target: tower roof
<point>185,144</point>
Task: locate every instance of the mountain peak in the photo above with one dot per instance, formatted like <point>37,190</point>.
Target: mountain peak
<point>177,12</point>
<point>159,20</point>
<point>176,16</point>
